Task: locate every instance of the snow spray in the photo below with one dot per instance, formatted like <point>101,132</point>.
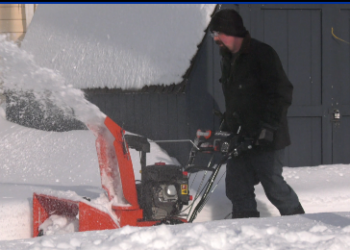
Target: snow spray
<point>20,74</point>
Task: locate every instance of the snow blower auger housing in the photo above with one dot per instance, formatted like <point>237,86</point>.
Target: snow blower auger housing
<point>157,199</point>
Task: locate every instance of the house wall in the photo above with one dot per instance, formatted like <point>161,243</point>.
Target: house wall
<point>13,20</point>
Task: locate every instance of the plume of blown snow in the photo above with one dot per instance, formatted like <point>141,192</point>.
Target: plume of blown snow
<point>20,73</point>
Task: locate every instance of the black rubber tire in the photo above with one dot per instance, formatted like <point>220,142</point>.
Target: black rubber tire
<point>41,233</point>
<point>169,221</point>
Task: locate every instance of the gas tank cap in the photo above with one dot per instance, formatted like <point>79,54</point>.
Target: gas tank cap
<point>171,190</point>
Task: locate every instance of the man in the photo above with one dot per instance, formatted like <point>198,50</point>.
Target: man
<point>257,96</point>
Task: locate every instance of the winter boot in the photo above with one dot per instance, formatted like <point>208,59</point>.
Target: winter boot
<point>245,214</point>
<point>298,210</point>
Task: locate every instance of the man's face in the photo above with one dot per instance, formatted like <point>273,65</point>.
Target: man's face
<point>225,41</point>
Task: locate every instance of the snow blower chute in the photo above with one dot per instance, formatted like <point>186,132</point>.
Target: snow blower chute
<point>159,197</point>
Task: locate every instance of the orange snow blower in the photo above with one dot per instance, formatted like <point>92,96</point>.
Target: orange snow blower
<point>165,186</point>
<point>160,196</point>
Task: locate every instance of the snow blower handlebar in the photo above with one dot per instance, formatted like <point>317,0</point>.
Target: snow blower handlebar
<point>208,188</point>
<point>228,144</point>
<point>184,140</point>
<point>225,142</point>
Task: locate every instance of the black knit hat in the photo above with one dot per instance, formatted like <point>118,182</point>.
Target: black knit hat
<point>229,22</point>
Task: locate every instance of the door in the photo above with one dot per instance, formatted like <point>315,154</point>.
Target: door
<point>295,31</point>
<point>337,67</point>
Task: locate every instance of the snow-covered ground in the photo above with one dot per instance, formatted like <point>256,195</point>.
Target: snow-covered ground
<point>295,232</point>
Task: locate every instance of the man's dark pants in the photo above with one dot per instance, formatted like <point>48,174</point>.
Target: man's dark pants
<point>245,171</point>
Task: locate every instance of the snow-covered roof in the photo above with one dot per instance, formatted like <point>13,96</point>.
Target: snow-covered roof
<point>124,46</point>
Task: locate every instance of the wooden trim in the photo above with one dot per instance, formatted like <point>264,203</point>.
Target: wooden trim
<point>13,21</point>
<point>11,14</point>
<point>10,5</point>
<point>11,26</point>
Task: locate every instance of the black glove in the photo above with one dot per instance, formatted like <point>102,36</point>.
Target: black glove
<point>266,135</point>
<point>243,146</point>
<point>236,145</point>
<point>230,143</point>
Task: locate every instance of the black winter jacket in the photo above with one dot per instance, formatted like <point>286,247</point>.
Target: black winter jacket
<point>257,91</point>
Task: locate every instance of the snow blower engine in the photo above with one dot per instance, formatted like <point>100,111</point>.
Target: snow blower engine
<point>163,190</point>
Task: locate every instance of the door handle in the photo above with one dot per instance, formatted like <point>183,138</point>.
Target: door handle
<point>336,115</point>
